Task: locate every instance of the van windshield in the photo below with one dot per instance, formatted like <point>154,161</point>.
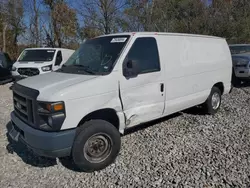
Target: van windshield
<point>96,56</point>
<point>240,49</point>
<point>37,55</point>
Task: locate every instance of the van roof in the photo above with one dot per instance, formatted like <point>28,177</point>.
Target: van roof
<point>161,33</point>
<point>47,48</point>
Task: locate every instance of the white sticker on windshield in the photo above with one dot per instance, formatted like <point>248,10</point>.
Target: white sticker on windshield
<point>115,40</point>
<point>50,51</point>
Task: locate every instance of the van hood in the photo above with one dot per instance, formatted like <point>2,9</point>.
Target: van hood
<point>50,83</point>
<point>243,55</point>
<point>31,64</point>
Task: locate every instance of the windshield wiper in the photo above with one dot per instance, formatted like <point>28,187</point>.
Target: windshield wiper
<point>85,68</point>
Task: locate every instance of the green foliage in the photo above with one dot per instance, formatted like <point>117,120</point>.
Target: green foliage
<point>224,19</point>
<point>60,19</point>
<point>11,26</point>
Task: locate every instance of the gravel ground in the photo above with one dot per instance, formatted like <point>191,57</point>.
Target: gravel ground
<point>187,149</point>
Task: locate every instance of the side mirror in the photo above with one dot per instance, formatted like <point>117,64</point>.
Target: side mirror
<point>130,69</point>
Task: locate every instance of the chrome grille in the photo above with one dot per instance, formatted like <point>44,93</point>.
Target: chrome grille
<point>23,108</point>
<point>25,104</point>
<point>28,71</point>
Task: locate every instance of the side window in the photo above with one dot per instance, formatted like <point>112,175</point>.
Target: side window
<point>59,58</point>
<point>144,52</point>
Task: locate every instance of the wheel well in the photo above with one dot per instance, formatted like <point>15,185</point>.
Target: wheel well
<point>220,86</point>
<point>107,114</point>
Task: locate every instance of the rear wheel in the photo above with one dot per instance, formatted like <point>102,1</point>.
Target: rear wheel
<point>96,146</point>
<point>212,104</point>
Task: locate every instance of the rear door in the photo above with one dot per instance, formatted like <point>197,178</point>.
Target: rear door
<point>143,96</point>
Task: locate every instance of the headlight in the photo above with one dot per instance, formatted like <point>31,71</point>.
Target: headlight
<point>13,68</point>
<point>52,115</point>
<point>50,107</point>
<point>47,68</point>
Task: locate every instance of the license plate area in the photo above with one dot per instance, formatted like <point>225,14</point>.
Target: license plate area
<point>14,134</point>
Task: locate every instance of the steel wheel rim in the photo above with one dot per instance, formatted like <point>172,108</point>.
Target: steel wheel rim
<point>215,101</point>
<point>98,148</point>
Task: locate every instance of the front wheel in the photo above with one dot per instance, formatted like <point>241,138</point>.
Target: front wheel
<point>96,146</point>
<point>212,104</point>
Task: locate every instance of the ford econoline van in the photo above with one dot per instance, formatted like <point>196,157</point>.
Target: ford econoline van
<point>115,82</point>
<point>35,61</point>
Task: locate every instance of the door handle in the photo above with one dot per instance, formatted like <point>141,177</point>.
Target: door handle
<point>162,87</point>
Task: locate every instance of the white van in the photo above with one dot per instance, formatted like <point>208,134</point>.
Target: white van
<point>34,61</point>
<point>112,83</point>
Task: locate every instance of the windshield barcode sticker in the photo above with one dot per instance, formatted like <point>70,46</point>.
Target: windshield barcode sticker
<point>115,40</point>
<point>50,51</point>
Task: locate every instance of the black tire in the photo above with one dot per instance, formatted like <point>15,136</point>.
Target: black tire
<point>237,82</point>
<point>85,145</point>
<point>208,106</point>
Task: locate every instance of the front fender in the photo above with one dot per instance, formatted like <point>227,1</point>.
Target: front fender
<point>77,109</point>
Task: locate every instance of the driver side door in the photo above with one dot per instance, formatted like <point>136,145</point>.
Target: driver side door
<point>58,61</point>
<point>143,95</point>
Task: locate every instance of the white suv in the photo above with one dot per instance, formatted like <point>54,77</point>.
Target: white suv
<point>35,61</point>
<point>241,62</point>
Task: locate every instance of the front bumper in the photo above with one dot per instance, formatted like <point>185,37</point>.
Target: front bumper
<point>49,144</point>
<point>6,79</point>
<point>19,77</point>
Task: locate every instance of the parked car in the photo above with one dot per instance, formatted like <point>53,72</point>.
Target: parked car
<point>5,68</point>
<point>241,62</point>
<point>35,61</point>
<point>115,82</point>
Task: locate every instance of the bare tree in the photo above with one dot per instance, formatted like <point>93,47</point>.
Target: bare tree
<point>12,24</point>
<point>51,4</point>
<point>140,13</point>
<point>4,21</point>
<point>4,36</point>
<point>63,21</point>
<point>34,15</point>
<point>101,14</point>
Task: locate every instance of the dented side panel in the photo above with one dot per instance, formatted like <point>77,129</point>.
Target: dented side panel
<point>142,99</point>
<point>141,96</point>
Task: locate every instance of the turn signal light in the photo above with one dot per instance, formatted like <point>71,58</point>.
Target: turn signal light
<point>58,107</point>
<point>54,107</point>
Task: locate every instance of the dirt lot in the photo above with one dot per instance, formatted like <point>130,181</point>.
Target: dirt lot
<point>187,149</point>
